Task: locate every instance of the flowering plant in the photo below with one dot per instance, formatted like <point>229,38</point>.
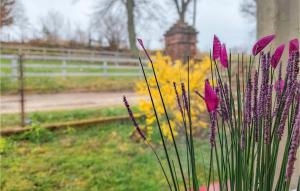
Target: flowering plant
<point>253,113</point>
<point>166,70</point>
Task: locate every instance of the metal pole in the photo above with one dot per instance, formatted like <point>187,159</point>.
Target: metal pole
<point>21,68</point>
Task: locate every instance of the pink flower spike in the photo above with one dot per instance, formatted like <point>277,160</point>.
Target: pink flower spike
<point>223,56</point>
<point>277,55</point>
<point>279,85</point>
<point>261,44</point>
<point>293,46</point>
<point>143,47</point>
<point>210,97</point>
<point>216,47</point>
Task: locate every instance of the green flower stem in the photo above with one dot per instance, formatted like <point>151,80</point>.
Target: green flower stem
<point>159,127</point>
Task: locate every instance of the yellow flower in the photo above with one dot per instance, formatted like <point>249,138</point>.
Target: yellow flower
<point>168,72</point>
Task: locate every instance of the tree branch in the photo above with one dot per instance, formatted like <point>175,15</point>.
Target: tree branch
<point>177,7</point>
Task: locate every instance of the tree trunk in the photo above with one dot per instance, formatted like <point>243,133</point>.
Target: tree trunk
<point>131,25</point>
<point>182,17</point>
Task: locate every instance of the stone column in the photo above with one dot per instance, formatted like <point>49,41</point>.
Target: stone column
<point>282,18</point>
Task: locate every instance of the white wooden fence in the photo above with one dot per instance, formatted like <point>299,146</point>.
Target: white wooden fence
<point>102,66</point>
<point>31,50</point>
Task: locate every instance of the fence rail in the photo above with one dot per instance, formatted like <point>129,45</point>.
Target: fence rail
<point>30,50</point>
<point>85,66</point>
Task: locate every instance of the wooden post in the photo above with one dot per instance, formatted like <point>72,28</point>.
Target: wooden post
<point>14,68</point>
<point>21,80</point>
<point>116,55</point>
<point>104,68</point>
<point>93,56</point>
<point>44,53</point>
<point>64,69</point>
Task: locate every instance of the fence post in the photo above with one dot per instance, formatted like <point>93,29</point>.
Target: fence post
<point>116,58</point>
<point>93,57</point>
<point>22,100</point>
<point>64,69</point>
<point>19,50</point>
<point>104,68</point>
<point>14,68</point>
<point>44,53</point>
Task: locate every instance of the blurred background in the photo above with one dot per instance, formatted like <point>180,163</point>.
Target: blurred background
<point>66,64</point>
<point>78,54</point>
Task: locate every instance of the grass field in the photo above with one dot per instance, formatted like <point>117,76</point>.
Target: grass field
<point>49,117</point>
<point>68,84</point>
<point>94,158</point>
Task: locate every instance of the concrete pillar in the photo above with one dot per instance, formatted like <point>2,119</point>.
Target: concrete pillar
<point>282,18</point>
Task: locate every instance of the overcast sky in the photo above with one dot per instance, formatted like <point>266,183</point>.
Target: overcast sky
<point>221,17</point>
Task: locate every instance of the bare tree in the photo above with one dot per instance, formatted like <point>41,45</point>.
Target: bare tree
<point>6,9</point>
<point>248,8</point>
<point>13,19</point>
<point>109,7</point>
<point>21,21</point>
<point>79,37</point>
<point>131,24</point>
<point>110,29</point>
<point>132,9</point>
<point>182,7</point>
<point>52,26</point>
<point>113,32</point>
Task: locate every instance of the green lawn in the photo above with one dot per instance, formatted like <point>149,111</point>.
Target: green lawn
<point>67,84</point>
<point>49,117</point>
<point>94,158</point>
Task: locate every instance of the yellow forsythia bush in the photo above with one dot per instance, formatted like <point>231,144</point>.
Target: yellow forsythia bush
<point>167,73</point>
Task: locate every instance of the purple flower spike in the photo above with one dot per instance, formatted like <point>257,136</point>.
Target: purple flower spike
<point>136,125</point>
<point>293,46</point>
<point>291,91</point>
<point>255,105</point>
<point>279,85</point>
<point>216,48</point>
<point>213,119</point>
<point>247,111</point>
<point>226,97</point>
<point>265,66</point>
<point>223,101</point>
<point>268,122</point>
<point>277,55</point>
<point>185,98</point>
<point>143,47</point>
<point>223,56</point>
<point>211,98</point>
<point>293,148</point>
<point>141,42</point>
<point>261,44</point>
<point>178,99</point>
<point>248,103</point>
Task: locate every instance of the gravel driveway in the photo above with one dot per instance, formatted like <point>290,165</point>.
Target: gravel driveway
<point>64,101</point>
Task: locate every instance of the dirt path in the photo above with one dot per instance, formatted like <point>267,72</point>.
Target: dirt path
<point>64,101</point>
